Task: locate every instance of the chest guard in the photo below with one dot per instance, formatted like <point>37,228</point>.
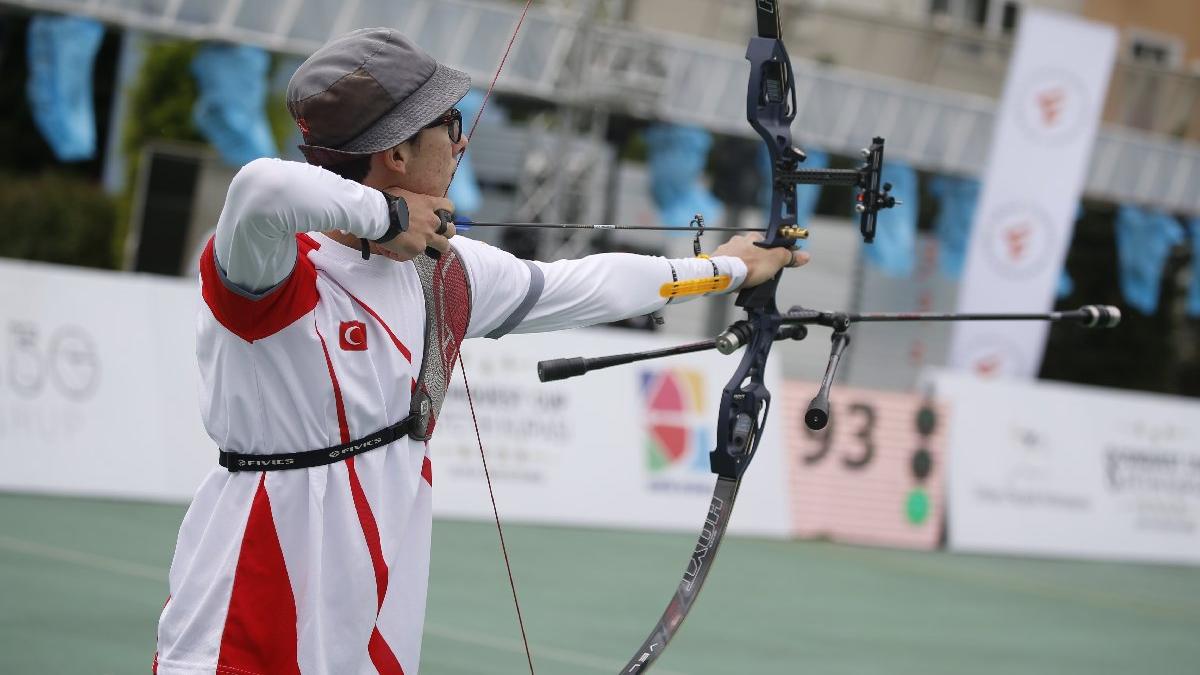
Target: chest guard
<point>447,313</point>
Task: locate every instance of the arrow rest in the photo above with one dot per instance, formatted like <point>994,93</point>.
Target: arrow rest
<point>697,224</point>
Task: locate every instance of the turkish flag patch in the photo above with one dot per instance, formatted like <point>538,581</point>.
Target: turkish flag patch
<point>352,336</point>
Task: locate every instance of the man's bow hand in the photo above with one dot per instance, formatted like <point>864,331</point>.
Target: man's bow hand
<point>761,263</point>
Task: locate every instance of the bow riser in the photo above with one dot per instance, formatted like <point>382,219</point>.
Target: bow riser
<point>745,400</point>
<point>770,110</point>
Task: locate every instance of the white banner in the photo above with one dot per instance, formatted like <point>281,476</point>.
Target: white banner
<point>98,384</point>
<point>622,447</point>
<point>1045,127</point>
<point>1065,470</point>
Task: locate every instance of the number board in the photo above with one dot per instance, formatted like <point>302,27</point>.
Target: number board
<point>874,474</point>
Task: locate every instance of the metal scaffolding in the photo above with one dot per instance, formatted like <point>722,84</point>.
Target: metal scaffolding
<point>661,76</point>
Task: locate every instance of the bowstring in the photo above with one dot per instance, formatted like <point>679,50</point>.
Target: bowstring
<point>488,94</point>
<point>462,364</point>
<point>496,512</point>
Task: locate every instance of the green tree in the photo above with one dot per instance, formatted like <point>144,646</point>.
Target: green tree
<point>63,219</point>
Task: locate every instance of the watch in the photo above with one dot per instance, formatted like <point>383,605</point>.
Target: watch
<point>397,222</point>
<point>397,217</point>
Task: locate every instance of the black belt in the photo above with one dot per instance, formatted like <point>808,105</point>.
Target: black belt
<point>236,461</point>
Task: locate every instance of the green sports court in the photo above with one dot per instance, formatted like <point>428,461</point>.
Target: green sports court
<point>83,581</point>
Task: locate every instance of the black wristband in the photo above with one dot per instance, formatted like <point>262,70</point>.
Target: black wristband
<point>397,218</point>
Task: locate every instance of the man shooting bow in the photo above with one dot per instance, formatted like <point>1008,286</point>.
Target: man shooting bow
<point>325,344</point>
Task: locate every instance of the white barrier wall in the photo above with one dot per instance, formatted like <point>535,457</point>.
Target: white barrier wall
<point>98,384</point>
<point>1064,470</point>
<point>98,396</point>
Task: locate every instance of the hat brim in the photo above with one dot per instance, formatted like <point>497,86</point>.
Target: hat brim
<point>441,91</point>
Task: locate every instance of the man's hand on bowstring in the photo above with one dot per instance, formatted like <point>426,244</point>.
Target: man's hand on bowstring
<point>426,229</point>
<point>761,263</point>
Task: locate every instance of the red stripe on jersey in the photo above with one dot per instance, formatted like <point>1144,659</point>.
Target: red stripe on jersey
<point>343,426</point>
<point>378,319</point>
<point>260,626</point>
<point>306,242</point>
<point>370,531</point>
<point>381,654</point>
<point>382,657</point>
<point>256,319</point>
<point>395,340</point>
<point>154,668</point>
<point>427,471</point>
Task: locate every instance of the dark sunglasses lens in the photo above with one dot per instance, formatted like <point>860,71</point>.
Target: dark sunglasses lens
<point>455,129</point>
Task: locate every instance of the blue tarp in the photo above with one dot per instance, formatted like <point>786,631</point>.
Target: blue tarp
<point>1144,241</point>
<point>677,158</point>
<point>895,248</point>
<point>61,52</point>
<point>230,108</point>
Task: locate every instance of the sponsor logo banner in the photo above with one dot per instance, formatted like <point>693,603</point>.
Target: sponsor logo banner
<point>1045,127</point>
<point>1064,470</point>
<point>619,447</point>
<point>679,430</point>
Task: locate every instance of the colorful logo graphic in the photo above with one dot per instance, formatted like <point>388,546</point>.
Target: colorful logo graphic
<point>678,437</point>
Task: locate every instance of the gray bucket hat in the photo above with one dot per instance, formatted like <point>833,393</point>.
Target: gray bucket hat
<point>366,91</point>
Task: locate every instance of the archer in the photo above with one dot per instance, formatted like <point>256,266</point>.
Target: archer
<point>336,296</point>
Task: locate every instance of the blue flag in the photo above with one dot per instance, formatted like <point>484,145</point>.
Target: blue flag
<point>230,108</point>
<point>61,52</point>
<point>677,158</point>
<point>1193,301</point>
<point>1144,241</point>
<point>895,248</point>
<point>464,189</point>
<point>957,198</point>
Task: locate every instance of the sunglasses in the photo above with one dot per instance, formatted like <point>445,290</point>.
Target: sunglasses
<point>452,118</point>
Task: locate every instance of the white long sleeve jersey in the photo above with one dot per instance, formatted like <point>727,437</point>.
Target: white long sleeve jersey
<point>302,344</point>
